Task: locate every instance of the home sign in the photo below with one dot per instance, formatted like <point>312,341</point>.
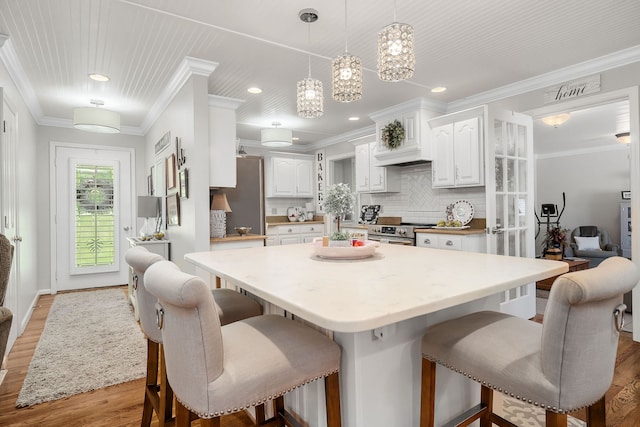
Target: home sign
<point>572,89</point>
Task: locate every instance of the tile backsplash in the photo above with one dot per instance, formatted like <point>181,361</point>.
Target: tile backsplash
<point>418,202</point>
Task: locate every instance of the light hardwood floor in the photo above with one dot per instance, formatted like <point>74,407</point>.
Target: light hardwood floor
<point>121,405</point>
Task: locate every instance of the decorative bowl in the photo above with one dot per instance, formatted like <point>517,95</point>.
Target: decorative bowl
<point>242,230</point>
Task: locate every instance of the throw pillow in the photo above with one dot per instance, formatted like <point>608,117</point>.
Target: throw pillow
<point>588,243</point>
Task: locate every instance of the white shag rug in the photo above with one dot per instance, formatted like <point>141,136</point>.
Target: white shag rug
<point>90,341</point>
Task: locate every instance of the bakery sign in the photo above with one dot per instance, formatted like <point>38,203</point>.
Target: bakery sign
<point>572,89</point>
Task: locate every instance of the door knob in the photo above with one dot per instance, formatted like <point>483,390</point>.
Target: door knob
<point>17,239</point>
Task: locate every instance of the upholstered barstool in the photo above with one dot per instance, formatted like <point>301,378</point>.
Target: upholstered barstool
<point>216,370</point>
<point>231,306</point>
<point>565,364</point>
<point>6,317</point>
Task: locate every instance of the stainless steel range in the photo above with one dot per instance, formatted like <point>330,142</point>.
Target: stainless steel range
<point>403,234</point>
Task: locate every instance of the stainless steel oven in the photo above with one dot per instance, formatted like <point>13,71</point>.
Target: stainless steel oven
<point>402,234</point>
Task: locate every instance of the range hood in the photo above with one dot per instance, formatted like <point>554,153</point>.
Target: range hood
<point>416,147</point>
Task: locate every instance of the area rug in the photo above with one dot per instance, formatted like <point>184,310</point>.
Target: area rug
<point>525,415</point>
<point>90,341</point>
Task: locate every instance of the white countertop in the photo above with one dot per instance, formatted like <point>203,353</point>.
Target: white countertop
<point>398,283</point>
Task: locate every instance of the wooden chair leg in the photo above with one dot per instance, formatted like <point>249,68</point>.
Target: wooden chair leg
<point>554,419</point>
<point>428,394</point>
<point>165,410</point>
<point>210,422</point>
<point>278,408</point>
<point>183,415</point>
<point>260,414</point>
<point>596,414</point>
<point>332,397</point>
<point>486,400</point>
<point>151,381</point>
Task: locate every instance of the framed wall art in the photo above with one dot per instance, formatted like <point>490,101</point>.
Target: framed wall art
<point>173,209</point>
<point>171,171</point>
<point>626,195</point>
<point>184,183</point>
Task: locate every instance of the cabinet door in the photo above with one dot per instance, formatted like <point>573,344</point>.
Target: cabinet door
<point>377,175</point>
<point>468,152</point>
<point>443,166</point>
<point>289,240</point>
<point>362,166</point>
<point>284,178</point>
<point>304,178</point>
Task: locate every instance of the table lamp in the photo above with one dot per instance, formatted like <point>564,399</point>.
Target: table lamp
<point>218,214</point>
<point>148,207</point>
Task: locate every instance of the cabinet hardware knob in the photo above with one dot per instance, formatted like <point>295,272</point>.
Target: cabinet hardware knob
<point>449,243</point>
<point>427,241</point>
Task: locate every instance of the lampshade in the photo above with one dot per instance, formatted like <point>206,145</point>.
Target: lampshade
<point>219,202</point>
<point>346,69</point>
<point>396,60</point>
<point>148,206</point>
<point>555,120</point>
<point>624,137</point>
<point>276,137</point>
<point>94,119</point>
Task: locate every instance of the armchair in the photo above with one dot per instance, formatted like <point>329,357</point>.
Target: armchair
<point>6,317</point>
<point>595,250</point>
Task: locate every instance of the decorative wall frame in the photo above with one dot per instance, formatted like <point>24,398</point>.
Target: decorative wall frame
<point>626,195</point>
<point>173,209</point>
<point>184,183</point>
<point>171,171</point>
<point>163,143</point>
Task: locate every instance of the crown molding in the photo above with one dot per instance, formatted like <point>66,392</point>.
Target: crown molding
<point>593,66</point>
<point>9,57</point>
<point>345,137</point>
<point>224,102</point>
<point>407,106</point>
<point>187,68</point>
<point>582,151</point>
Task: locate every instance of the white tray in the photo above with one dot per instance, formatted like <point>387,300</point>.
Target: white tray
<point>344,252</point>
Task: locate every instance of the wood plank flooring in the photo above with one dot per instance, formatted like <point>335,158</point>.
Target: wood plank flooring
<point>121,405</point>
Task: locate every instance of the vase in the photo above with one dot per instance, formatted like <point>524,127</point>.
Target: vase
<point>553,253</point>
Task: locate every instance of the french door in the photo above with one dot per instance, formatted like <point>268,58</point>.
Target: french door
<point>93,216</point>
<point>510,198</point>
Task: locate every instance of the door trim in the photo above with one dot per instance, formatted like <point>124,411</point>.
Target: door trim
<point>53,146</point>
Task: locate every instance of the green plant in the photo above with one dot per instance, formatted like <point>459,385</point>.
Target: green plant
<point>392,134</point>
<point>340,235</point>
<point>338,201</point>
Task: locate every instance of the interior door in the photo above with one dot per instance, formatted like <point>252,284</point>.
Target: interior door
<point>93,216</point>
<point>509,198</point>
<point>10,219</point>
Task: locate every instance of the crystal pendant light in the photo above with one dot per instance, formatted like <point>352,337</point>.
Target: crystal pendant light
<point>396,60</point>
<point>346,69</point>
<point>309,91</point>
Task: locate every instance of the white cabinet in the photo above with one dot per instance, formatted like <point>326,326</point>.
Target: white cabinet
<point>289,177</point>
<point>371,178</point>
<point>293,234</point>
<point>458,154</point>
<point>222,141</point>
<point>160,247</point>
<point>454,242</point>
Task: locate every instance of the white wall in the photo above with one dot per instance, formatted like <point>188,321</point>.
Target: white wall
<point>186,117</point>
<point>592,182</point>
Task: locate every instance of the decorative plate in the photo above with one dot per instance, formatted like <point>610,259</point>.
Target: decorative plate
<point>463,211</point>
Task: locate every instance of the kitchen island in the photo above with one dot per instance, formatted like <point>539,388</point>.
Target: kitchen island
<point>377,310</point>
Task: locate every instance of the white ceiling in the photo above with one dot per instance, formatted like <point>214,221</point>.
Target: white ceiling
<point>471,47</point>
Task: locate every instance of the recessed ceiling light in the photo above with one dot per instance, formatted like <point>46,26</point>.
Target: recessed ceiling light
<point>354,118</point>
<point>254,89</point>
<point>99,77</point>
<point>438,89</point>
<point>295,138</point>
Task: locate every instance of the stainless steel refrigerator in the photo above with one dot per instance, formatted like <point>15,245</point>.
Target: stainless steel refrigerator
<point>247,199</point>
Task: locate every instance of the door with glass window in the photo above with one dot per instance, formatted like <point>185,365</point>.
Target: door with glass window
<point>93,217</point>
<point>509,198</point>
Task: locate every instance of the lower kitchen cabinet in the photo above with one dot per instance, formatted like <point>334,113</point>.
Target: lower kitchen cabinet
<point>455,242</point>
<point>294,233</point>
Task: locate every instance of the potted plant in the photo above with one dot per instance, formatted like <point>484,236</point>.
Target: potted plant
<point>338,201</point>
<point>340,238</point>
<point>555,241</point>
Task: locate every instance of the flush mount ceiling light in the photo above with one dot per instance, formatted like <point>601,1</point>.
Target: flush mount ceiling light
<point>254,90</point>
<point>346,82</point>
<point>396,60</point>
<point>555,120</point>
<point>95,119</point>
<point>275,136</point>
<point>623,137</point>
<point>438,89</point>
<point>99,77</point>
<point>309,97</point>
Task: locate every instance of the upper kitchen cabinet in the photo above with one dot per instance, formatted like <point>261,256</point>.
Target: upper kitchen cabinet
<point>290,176</point>
<point>458,154</point>
<point>222,141</point>
<point>371,178</point>
<point>416,146</point>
